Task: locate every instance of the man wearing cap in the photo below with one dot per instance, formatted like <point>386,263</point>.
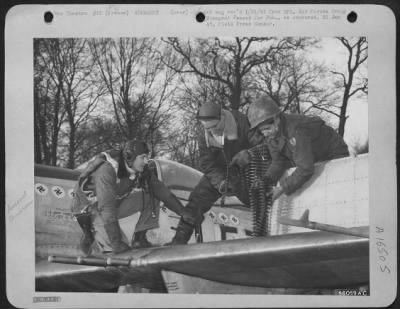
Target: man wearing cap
<point>293,141</point>
<point>225,134</point>
<point>106,186</point>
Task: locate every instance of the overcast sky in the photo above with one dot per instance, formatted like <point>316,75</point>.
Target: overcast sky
<point>335,56</point>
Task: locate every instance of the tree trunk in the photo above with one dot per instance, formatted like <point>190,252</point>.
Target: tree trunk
<point>235,97</point>
<point>343,112</point>
<point>237,85</point>
<point>44,141</point>
<point>54,138</point>
<point>38,151</point>
<point>71,150</point>
<point>345,102</point>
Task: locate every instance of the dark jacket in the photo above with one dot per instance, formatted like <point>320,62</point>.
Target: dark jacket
<point>301,142</point>
<point>213,160</point>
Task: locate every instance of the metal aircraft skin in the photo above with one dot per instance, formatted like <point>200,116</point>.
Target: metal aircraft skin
<point>228,260</point>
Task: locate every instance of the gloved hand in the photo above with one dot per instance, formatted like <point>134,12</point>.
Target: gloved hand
<point>258,183</point>
<point>277,192</point>
<point>225,188</point>
<point>188,216</point>
<point>241,159</point>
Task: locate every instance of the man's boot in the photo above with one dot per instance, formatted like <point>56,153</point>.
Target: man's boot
<point>140,240</point>
<point>87,238</point>
<point>183,233</point>
<point>114,234</point>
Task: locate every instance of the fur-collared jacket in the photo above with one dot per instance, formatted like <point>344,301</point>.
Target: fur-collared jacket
<point>106,185</point>
<point>214,158</point>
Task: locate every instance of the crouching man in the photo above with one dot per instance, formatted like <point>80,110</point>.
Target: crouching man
<point>105,189</point>
<point>224,135</point>
<point>294,141</point>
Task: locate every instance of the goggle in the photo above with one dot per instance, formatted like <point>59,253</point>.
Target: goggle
<point>209,127</point>
<point>267,122</point>
<point>214,114</point>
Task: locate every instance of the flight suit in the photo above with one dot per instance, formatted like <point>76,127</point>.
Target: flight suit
<point>110,195</point>
<point>302,141</point>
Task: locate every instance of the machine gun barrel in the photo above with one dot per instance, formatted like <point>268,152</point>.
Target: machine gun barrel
<point>306,223</point>
<point>89,260</point>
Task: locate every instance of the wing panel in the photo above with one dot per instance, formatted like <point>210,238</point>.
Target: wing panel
<point>78,278</point>
<point>305,260</point>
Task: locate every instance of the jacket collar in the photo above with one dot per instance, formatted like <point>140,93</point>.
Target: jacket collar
<point>230,131</point>
<point>114,163</point>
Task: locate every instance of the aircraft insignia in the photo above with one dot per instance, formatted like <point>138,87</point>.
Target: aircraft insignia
<point>234,220</point>
<point>223,217</point>
<point>58,191</point>
<point>212,215</point>
<point>41,189</point>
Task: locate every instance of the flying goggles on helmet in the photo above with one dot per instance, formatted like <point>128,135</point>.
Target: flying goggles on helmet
<point>209,111</point>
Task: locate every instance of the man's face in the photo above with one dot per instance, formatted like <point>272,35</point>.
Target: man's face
<point>269,128</point>
<point>214,126</point>
<point>129,158</point>
<point>140,162</point>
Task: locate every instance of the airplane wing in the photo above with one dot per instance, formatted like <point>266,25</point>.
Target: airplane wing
<point>95,278</point>
<point>76,278</point>
<point>300,260</point>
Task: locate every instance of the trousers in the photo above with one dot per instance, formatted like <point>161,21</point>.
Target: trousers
<point>205,195</point>
<point>137,201</point>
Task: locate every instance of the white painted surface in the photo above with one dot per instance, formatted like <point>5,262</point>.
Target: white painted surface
<point>338,194</point>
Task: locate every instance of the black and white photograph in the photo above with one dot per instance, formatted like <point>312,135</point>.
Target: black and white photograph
<point>197,165</point>
<point>172,152</point>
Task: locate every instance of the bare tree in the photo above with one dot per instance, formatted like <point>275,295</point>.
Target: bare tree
<point>183,148</point>
<point>191,93</point>
<point>228,61</point>
<point>66,91</point>
<point>357,55</point>
<point>181,143</point>
<point>80,91</point>
<point>296,84</point>
<point>97,134</point>
<point>48,101</point>
<point>138,83</point>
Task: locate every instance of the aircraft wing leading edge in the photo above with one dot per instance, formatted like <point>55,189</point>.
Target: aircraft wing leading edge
<point>300,260</point>
<point>82,278</point>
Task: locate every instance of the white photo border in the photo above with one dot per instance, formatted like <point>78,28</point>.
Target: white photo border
<point>25,23</point>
